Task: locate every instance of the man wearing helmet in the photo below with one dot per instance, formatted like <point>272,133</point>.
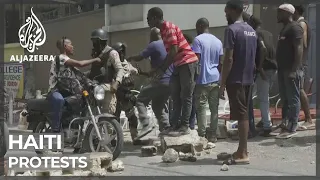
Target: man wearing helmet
<point>125,99</point>
<point>110,61</point>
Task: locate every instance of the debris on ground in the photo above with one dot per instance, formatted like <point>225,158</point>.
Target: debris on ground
<point>170,156</point>
<point>148,151</point>
<point>116,166</point>
<point>190,143</point>
<point>224,167</point>
<point>210,145</point>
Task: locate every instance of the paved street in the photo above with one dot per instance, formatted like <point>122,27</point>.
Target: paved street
<point>268,157</point>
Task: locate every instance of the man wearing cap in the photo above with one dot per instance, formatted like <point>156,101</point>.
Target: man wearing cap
<point>289,58</point>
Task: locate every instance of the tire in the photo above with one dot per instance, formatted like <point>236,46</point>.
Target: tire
<point>117,151</point>
<point>38,129</point>
<point>4,139</point>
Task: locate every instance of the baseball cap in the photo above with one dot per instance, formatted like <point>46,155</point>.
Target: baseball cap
<point>287,7</point>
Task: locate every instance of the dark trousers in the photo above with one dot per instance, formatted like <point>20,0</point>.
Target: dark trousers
<point>192,119</point>
<point>289,89</point>
<point>182,85</point>
<point>126,103</point>
<point>252,126</point>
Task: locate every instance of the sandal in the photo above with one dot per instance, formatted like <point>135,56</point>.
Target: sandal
<point>225,156</point>
<point>232,161</point>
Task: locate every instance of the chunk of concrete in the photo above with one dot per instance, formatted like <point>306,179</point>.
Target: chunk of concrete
<point>224,167</point>
<point>148,151</point>
<point>98,172</point>
<point>116,166</point>
<point>210,145</point>
<point>98,160</point>
<point>187,157</point>
<point>81,173</point>
<point>170,156</point>
<point>185,143</point>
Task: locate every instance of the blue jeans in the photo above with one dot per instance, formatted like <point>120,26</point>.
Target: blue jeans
<point>158,94</point>
<point>289,89</point>
<point>57,101</point>
<point>263,87</point>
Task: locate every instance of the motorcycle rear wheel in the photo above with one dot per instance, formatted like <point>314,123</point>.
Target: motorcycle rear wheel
<point>39,129</point>
<point>4,139</point>
<point>88,145</point>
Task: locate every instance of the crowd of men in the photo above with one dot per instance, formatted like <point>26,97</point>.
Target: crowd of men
<point>195,72</point>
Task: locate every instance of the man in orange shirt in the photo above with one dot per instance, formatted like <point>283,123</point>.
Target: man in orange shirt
<point>182,81</point>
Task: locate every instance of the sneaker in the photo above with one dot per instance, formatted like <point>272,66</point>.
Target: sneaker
<point>144,131</point>
<point>285,134</point>
<point>166,131</point>
<point>307,126</point>
<point>259,124</point>
<point>183,130</point>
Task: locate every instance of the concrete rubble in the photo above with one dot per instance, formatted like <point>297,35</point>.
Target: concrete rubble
<point>148,151</point>
<point>224,167</point>
<point>187,157</point>
<point>190,143</point>
<point>116,166</point>
<point>99,164</point>
<point>170,156</point>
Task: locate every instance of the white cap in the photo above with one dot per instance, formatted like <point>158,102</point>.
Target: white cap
<point>287,7</point>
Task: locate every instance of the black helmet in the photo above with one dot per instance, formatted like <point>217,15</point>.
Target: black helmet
<point>99,34</point>
<point>120,47</point>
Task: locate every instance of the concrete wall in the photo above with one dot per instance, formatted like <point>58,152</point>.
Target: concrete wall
<point>78,28</point>
<point>133,31</point>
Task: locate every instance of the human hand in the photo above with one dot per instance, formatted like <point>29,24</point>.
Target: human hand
<point>221,92</point>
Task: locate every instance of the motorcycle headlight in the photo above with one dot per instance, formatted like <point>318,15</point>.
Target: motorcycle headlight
<point>99,93</point>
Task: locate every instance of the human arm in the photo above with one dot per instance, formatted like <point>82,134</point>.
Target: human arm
<point>305,33</point>
<point>196,47</point>
<point>172,40</point>
<point>229,41</point>
<point>80,63</point>
<point>220,59</point>
<point>119,70</point>
<point>144,54</point>
<point>297,40</point>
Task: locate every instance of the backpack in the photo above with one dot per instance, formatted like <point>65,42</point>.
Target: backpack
<point>63,85</point>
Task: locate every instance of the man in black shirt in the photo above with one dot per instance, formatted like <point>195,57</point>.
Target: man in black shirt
<point>308,124</point>
<point>289,58</point>
<point>266,67</point>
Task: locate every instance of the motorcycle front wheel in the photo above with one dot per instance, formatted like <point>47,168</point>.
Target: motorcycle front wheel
<point>111,131</point>
<point>4,139</point>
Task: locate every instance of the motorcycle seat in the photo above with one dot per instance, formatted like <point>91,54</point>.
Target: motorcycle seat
<point>42,105</point>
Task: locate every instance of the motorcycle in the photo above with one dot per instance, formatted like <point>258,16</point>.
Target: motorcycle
<point>4,131</point>
<point>85,128</point>
<point>4,138</point>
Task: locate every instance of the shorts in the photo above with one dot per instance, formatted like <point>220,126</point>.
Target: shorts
<point>238,95</point>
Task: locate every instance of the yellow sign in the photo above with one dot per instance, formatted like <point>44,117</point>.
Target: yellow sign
<point>13,72</point>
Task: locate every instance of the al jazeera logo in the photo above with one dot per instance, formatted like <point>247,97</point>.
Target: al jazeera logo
<point>32,35</point>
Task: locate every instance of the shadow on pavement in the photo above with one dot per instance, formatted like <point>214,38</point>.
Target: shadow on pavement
<point>304,141</point>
